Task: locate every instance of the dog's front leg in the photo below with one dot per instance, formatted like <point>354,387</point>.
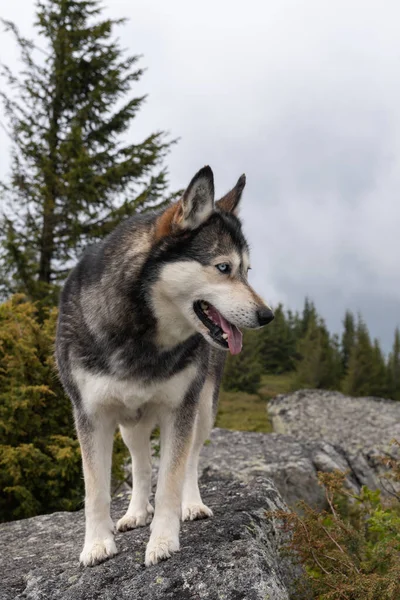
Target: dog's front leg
<point>96,440</point>
<point>176,429</point>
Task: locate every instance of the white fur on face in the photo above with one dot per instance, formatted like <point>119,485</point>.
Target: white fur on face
<point>183,283</point>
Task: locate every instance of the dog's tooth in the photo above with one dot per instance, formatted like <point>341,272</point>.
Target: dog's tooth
<point>225,336</point>
<point>204,305</point>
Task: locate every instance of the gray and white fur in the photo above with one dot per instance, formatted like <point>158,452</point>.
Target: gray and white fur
<point>136,348</point>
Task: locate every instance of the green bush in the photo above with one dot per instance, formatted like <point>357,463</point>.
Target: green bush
<point>40,461</point>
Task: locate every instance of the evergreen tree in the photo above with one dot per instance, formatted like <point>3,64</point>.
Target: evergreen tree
<point>295,325</point>
<point>378,376</point>
<point>393,369</point>
<point>278,344</point>
<point>309,315</point>
<point>366,375</point>
<point>73,178</point>
<point>335,365</point>
<point>348,339</point>
<point>319,358</point>
<point>243,371</point>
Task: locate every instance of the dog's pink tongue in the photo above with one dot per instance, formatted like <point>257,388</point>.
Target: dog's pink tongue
<point>234,334</point>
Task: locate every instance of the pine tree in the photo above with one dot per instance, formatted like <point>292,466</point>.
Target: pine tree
<point>366,375</point>
<point>309,315</point>
<point>73,177</point>
<point>278,344</point>
<point>318,365</point>
<point>378,376</point>
<point>348,339</point>
<point>393,369</point>
<point>243,372</point>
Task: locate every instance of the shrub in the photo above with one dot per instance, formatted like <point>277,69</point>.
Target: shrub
<point>40,461</point>
<point>352,550</point>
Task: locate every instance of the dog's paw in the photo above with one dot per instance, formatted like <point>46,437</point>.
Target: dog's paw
<point>160,548</point>
<point>191,512</point>
<point>97,552</point>
<point>133,519</point>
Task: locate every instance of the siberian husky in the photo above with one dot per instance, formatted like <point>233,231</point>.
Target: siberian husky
<point>145,320</point>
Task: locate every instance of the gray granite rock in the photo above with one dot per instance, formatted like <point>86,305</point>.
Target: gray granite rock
<point>360,429</point>
<point>353,423</point>
<point>235,555</point>
<point>291,464</point>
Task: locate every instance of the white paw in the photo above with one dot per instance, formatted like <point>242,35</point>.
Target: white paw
<point>135,518</point>
<point>190,512</point>
<point>97,552</point>
<point>160,548</point>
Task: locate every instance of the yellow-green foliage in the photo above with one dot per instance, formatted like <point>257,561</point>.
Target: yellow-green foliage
<point>40,466</point>
<point>40,461</point>
<point>352,550</point>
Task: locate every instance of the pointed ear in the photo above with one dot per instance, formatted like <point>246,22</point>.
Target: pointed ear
<point>197,202</point>
<point>230,202</point>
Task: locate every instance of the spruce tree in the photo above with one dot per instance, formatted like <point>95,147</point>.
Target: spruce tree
<point>278,344</point>
<point>73,175</point>
<point>309,315</point>
<point>318,365</point>
<point>378,375</point>
<point>309,352</point>
<point>348,339</point>
<point>243,372</point>
<point>393,369</point>
<point>366,375</point>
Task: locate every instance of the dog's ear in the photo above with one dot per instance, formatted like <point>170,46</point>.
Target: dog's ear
<point>195,206</point>
<point>230,202</point>
<point>197,202</point>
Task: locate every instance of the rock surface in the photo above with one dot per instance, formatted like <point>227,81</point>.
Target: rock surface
<point>353,423</point>
<point>359,429</point>
<point>291,464</point>
<point>235,555</point>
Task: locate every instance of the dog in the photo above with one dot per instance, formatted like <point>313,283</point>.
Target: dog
<point>145,322</point>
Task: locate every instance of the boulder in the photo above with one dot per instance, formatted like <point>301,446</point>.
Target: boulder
<point>358,429</point>
<point>235,555</point>
<point>291,464</point>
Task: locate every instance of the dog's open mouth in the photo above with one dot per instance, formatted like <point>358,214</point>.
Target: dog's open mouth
<point>222,331</point>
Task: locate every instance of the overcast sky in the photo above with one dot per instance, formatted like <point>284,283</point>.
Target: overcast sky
<point>304,97</point>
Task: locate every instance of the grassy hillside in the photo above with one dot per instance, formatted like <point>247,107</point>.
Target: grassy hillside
<point>248,412</point>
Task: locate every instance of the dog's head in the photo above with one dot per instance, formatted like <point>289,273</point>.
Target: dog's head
<point>202,282</point>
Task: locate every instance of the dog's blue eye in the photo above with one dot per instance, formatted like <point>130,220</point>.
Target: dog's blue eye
<point>224,267</point>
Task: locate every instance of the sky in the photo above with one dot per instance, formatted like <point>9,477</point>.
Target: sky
<point>303,97</point>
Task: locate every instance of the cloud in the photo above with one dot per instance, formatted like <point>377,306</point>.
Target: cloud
<point>303,97</point>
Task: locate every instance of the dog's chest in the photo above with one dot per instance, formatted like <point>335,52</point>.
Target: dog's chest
<point>129,395</point>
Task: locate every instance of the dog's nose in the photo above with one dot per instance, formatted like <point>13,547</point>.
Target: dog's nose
<point>265,316</point>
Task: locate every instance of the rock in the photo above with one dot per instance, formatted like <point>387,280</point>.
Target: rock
<point>235,555</point>
<point>359,429</point>
<point>291,464</point>
<point>353,423</point>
